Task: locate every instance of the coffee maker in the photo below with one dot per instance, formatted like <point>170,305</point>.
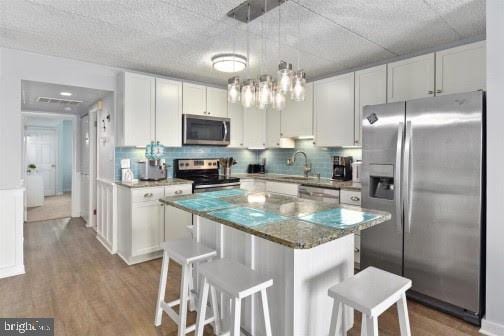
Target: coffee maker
<point>152,170</point>
<point>342,168</point>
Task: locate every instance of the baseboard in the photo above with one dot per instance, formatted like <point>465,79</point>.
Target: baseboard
<point>12,271</point>
<point>105,244</point>
<point>491,328</point>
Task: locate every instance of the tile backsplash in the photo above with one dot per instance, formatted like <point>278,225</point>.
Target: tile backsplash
<point>275,158</point>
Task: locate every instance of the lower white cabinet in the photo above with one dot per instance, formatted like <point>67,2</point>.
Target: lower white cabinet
<point>253,185</point>
<point>289,189</point>
<point>144,222</point>
<point>350,197</point>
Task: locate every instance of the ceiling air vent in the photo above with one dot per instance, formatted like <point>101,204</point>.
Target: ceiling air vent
<point>58,101</point>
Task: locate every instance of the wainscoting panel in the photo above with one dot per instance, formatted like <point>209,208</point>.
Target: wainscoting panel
<point>106,219</point>
<point>11,232</point>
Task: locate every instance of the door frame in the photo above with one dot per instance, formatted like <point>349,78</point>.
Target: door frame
<point>75,153</point>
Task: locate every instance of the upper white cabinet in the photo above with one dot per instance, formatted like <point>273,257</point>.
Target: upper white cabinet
<point>236,115</point>
<point>169,112</point>
<point>461,69</point>
<point>217,104</point>
<point>274,137</point>
<point>334,111</point>
<point>136,106</point>
<point>254,130</point>
<point>370,89</point>
<point>411,78</point>
<point>297,117</point>
<point>202,100</point>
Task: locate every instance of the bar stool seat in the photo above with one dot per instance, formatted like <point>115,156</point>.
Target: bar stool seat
<point>186,252</point>
<point>371,291</point>
<point>239,282</point>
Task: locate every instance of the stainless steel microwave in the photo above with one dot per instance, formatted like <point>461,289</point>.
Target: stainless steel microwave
<point>203,130</point>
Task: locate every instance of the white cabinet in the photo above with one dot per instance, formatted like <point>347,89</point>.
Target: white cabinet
<point>350,197</point>
<point>136,106</point>
<point>236,115</point>
<point>194,99</point>
<point>254,128</point>
<point>169,112</point>
<point>216,102</point>
<point>253,185</point>
<point>290,189</point>
<point>274,137</point>
<point>297,117</point>
<point>202,100</point>
<point>176,221</point>
<point>461,69</point>
<point>334,111</point>
<point>147,231</point>
<point>370,89</point>
<point>411,78</point>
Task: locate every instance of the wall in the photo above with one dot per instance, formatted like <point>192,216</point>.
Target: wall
<point>66,155</point>
<point>493,324</point>
<point>106,139</point>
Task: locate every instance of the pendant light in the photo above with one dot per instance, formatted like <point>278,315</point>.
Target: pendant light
<point>265,92</point>
<point>284,68</point>
<point>234,89</point>
<point>278,98</point>
<point>248,93</point>
<point>298,87</point>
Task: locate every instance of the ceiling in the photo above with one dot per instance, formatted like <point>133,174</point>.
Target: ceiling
<point>30,91</point>
<point>178,37</point>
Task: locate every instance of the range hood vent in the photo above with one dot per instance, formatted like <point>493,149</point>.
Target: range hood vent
<point>58,101</point>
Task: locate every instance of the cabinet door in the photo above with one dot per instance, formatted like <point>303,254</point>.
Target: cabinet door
<point>194,99</point>
<point>297,117</point>
<point>274,137</point>
<point>217,105</point>
<point>147,227</point>
<point>254,130</point>
<point>169,112</point>
<point>138,114</point>
<point>176,223</point>
<point>282,188</point>
<point>461,69</point>
<point>236,116</point>
<point>411,78</point>
<point>370,89</point>
<point>334,111</point>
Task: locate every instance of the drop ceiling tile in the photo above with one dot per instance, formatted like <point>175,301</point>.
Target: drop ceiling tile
<point>467,17</point>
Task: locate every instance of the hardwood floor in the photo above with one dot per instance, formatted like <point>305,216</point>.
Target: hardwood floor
<point>72,278</point>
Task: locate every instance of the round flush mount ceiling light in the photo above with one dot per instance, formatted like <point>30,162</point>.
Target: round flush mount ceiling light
<point>65,94</point>
<point>229,62</point>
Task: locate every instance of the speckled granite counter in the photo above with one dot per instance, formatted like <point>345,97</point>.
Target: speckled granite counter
<point>290,221</point>
<point>149,184</point>
<point>310,181</point>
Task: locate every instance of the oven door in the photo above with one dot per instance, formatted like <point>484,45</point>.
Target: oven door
<point>215,187</point>
<point>202,130</point>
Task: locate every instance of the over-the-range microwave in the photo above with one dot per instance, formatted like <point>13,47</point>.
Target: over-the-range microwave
<point>204,130</point>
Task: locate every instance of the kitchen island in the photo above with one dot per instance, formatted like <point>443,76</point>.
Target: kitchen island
<point>304,246</point>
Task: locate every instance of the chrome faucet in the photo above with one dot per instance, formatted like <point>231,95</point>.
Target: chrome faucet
<point>307,165</point>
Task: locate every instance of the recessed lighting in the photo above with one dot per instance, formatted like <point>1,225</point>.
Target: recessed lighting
<point>229,62</point>
<point>66,94</point>
<point>68,108</point>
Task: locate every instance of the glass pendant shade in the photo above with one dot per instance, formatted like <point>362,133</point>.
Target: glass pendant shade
<point>248,93</point>
<point>234,90</point>
<point>278,99</point>
<point>284,77</point>
<point>298,87</point>
<point>265,91</point>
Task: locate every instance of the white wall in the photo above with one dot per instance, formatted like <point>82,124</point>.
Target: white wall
<point>106,140</point>
<point>493,324</point>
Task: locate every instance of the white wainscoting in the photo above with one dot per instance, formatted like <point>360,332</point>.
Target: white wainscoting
<point>106,219</point>
<point>11,232</point>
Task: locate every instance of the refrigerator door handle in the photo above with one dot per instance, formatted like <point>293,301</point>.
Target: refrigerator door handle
<point>407,178</point>
<point>397,177</point>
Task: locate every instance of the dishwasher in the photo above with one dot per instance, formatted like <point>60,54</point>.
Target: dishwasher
<point>319,194</point>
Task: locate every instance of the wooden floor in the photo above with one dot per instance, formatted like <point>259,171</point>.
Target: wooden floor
<point>71,277</point>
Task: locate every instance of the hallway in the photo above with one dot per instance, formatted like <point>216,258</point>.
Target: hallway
<point>71,277</point>
<point>54,207</point>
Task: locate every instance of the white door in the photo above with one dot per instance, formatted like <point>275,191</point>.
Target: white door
<point>236,116</point>
<point>254,129</point>
<point>461,69</point>
<point>85,139</point>
<point>169,112</point>
<point>334,111</point>
<point>194,99</point>
<point>42,150</point>
<point>297,117</point>
<point>411,78</point>
<point>147,227</point>
<point>370,89</point>
<point>217,103</point>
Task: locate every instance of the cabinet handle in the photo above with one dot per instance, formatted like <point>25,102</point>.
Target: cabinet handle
<point>314,143</point>
<point>439,91</point>
<point>278,143</point>
<point>355,198</point>
<point>281,134</point>
<point>241,144</point>
<point>147,195</point>
<point>430,92</point>
<point>356,250</point>
<point>177,192</point>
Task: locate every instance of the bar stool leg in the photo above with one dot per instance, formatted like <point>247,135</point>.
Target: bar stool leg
<point>371,326</point>
<point>236,317</point>
<point>402,311</point>
<point>184,290</point>
<point>192,296</point>
<point>336,318</point>
<point>215,309</point>
<point>203,299</point>
<point>162,288</point>
<point>363,325</point>
<point>267,322</point>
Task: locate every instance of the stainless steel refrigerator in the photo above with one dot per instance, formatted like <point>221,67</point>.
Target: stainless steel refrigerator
<point>423,161</point>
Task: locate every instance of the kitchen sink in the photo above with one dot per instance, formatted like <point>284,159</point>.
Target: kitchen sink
<point>297,178</point>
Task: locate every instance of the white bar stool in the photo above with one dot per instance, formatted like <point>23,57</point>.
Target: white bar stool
<point>238,282</point>
<point>371,291</point>
<point>186,252</point>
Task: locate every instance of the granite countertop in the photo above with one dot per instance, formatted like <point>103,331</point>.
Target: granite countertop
<point>289,221</point>
<point>309,181</point>
<point>149,184</point>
